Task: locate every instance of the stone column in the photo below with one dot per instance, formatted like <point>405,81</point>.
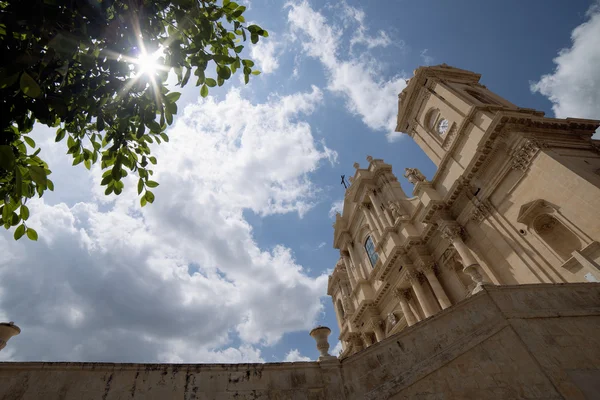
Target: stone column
<point>429,272</point>
<point>354,258</point>
<point>371,222</point>
<point>367,338</point>
<point>385,222</point>
<point>375,324</point>
<point>422,296</point>
<point>471,267</point>
<point>349,267</point>
<point>356,342</point>
<point>403,296</point>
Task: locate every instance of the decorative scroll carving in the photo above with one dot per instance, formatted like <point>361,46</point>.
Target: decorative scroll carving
<point>392,319</point>
<point>524,154</point>
<point>414,176</point>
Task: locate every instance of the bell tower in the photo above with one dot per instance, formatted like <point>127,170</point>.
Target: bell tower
<point>441,102</point>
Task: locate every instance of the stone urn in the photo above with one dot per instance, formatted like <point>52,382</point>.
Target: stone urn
<point>320,334</point>
<point>7,330</point>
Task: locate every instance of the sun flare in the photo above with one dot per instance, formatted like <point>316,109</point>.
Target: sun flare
<point>148,63</point>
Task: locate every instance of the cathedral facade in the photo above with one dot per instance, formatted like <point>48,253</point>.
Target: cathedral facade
<point>515,200</point>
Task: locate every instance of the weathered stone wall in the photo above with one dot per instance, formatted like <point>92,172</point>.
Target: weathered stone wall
<point>528,341</point>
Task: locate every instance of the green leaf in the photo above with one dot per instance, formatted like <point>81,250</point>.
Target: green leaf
<point>100,124</point>
<point>223,71</point>
<point>24,212</point>
<point>238,49</point>
<point>60,134</point>
<point>210,82</point>
<point>204,91</point>
<point>151,184</point>
<point>173,97</point>
<point>149,196</point>
<point>254,38</point>
<point>143,201</point>
<point>32,234</point>
<point>29,86</point>
<point>256,72</point>
<point>38,175</point>
<point>29,141</point>
<point>7,157</point>
<point>164,136</point>
<point>140,186</point>
<point>154,126</point>
<point>88,164</point>
<point>19,232</point>
<point>152,159</point>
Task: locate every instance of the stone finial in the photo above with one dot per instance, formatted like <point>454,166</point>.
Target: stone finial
<point>320,334</point>
<point>7,330</point>
<point>369,158</point>
<point>414,176</point>
<point>356,165</point>
<point>351,179</point>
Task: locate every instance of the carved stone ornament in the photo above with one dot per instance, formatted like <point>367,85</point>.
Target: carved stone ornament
<point>428,267</point>
<point>524,155</point>
<point>369,158</point>
<point>392,319</point>
<point>356,165</point>
<point>402,294</point>
<point>414,176</point>
<point>480,212</point>
<point>452,232</point>
<point>348,306</point>
<point>450,136</point>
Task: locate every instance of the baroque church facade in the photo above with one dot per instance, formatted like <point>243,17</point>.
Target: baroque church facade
<point>480,284</point>
<point>515,200</point>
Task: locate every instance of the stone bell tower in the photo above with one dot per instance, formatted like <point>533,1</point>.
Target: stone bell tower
<point>514,201</point>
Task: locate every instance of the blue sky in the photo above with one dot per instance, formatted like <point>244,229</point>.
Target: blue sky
<point>230,263</point>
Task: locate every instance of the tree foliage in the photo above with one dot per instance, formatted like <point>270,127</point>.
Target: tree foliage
<point>72,65</point>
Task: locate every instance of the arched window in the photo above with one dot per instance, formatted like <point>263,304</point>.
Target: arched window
<point>370,248</point>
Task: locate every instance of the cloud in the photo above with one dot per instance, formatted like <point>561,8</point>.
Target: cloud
<point>574,86</point>
<point>355,16</point>
<point>181,280</point>
<point>265,54</point>
<point>337,349</point>
<point>294,355</point>
<point>427,59</point>
<point>357,79</point>
<point>336,207</point>
<point>321,245</point>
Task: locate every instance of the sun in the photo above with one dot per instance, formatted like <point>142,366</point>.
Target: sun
<point>148,62</point>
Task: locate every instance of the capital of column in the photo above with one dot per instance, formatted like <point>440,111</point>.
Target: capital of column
<point>402,294</point>
<point>452,232</point>
<point>428,267</point>
<point>414,276</point>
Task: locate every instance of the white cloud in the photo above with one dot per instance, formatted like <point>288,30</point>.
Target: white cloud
<point>294,355</point>
<point>336,207</point>
<point>180,280</point>
<point>353,16</point>
<point>337,349</point>
<point>574,86</point>
<point>321,245</point>
<point>265,54</point>
<point>373,99</point>
<point>427,59</point>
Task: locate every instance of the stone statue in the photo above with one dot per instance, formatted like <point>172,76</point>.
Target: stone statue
<point>392,319</point>
<point>414,176</point>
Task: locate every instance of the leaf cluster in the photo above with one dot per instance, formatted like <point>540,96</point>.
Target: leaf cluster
<point>70,64</point>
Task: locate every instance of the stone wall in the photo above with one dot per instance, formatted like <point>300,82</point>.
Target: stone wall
<point>527,341</point>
